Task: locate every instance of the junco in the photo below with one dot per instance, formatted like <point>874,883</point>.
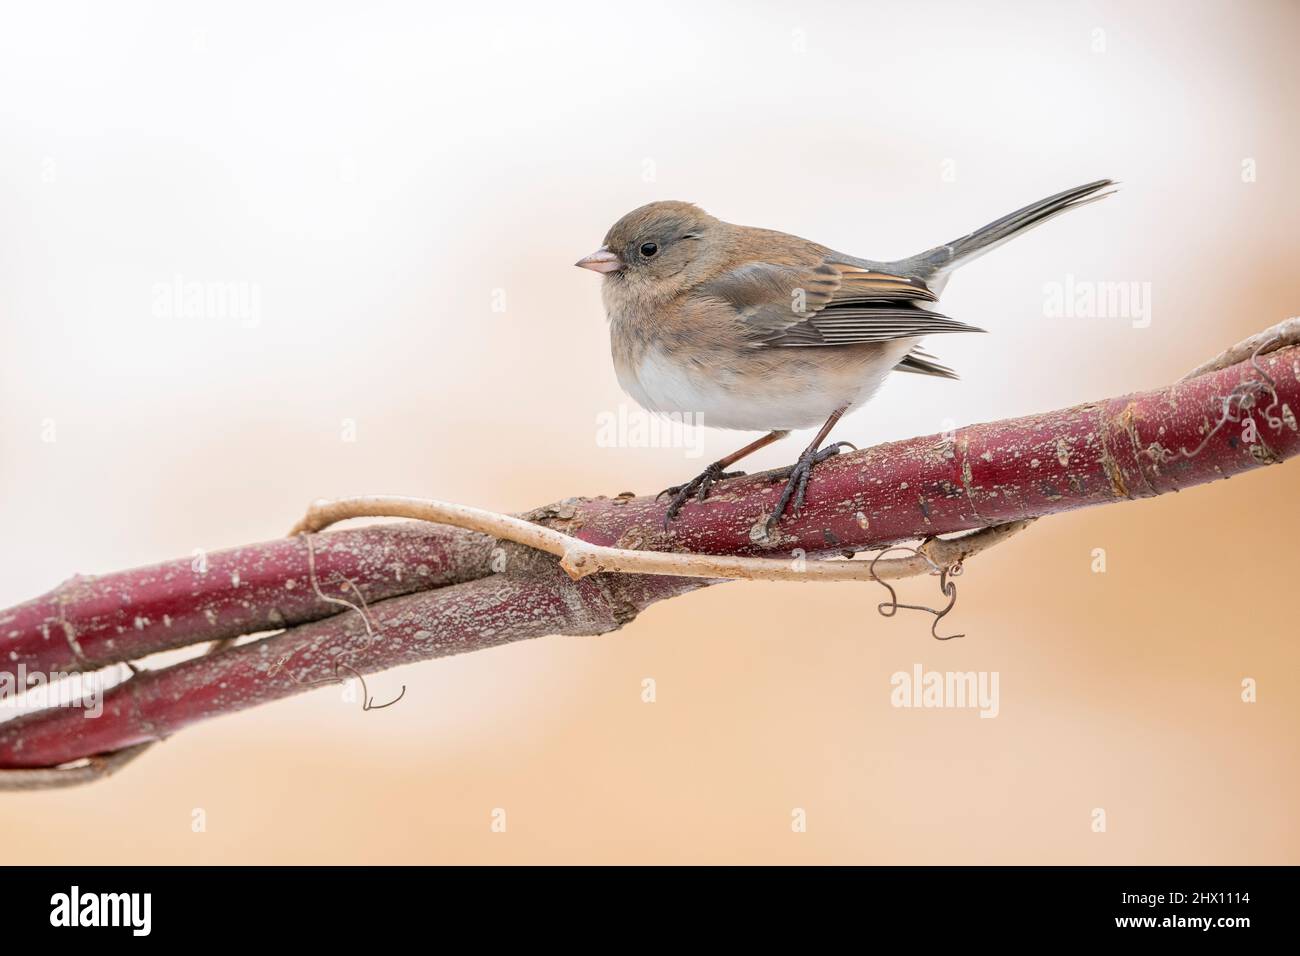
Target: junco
<point>759,330</point>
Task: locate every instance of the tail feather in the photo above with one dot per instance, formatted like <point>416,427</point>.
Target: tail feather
<point>935,265</point>
<point>923,363</point>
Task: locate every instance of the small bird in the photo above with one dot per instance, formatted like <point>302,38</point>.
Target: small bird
<point>759,330</point>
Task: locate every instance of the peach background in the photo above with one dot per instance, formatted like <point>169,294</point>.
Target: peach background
<point>377,170</point>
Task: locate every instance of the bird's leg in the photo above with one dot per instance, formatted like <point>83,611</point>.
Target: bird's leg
<point>796,485</point>
<point>701,483</point>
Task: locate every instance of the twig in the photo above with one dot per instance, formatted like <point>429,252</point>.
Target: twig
<point>367,701</point>
<point>341,602</point>
<point>580,558</point>
<point>1241,400</point>
<point>947,588</point>
<point>70,775</point>
<point>1279,336</point>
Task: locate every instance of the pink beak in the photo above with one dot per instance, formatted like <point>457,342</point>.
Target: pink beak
<point>602,260</point>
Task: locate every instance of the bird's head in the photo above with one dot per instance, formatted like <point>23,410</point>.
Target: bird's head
<point>654,243</point>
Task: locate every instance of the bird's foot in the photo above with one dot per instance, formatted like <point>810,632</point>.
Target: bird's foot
<point>796,479</point>
<point>699,486</point>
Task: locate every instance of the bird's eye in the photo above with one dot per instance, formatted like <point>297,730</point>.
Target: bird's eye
<point>648,249</point>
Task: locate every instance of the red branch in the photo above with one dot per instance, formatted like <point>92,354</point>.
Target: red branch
<point>89,622</point>
<point>458,597</point>
<point>465,617</point>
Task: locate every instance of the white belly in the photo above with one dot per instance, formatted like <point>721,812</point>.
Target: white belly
<point>786,390</point>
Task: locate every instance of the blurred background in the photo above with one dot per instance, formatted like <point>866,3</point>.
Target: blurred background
<point>380,205</point>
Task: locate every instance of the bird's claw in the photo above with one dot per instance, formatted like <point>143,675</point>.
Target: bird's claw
<point>796,480</point>
<point>699,486</point>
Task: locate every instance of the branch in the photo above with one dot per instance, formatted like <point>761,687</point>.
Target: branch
<point>90,622</point>
<point>1232,418</point>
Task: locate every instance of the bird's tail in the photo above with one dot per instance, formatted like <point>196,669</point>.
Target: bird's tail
<point>935,265</point>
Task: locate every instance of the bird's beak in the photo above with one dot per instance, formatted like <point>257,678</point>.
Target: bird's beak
<point>602,260</point>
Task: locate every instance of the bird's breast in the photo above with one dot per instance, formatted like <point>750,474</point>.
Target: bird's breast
<point>754,390</point>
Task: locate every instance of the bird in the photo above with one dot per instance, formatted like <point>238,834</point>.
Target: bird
<point>757,330</point>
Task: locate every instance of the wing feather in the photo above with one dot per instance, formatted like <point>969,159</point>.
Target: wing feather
<point>828,303</point>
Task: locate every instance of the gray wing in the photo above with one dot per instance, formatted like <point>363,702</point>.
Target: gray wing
<point>829,303</point>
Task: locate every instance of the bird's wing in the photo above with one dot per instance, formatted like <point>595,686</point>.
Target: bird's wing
<point>827,303</point>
